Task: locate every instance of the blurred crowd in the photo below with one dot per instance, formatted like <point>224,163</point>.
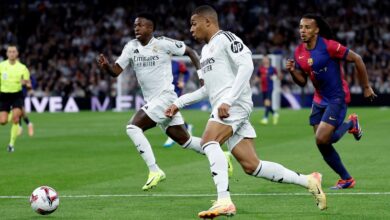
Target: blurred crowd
<point>59,40</point>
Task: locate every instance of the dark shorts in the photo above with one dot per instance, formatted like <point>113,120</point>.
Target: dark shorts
<point>333,114</point>
<point>10,101</point>
<point>267,95</point>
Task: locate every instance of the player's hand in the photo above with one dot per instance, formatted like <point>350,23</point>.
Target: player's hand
<point>171,111</point>
<point>180,84</point>
<point>290,65</point>
<point>223,111</point>
<point>102,60</point>
<point>369,93</point>
<point>201,82</point>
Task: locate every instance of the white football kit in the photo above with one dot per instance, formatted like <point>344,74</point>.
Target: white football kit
<point>226,69</point>
<point>153,69</point>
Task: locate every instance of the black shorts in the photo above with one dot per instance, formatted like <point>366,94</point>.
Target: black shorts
<point>10,101</point>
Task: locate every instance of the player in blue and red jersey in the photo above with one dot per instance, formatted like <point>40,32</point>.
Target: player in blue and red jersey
<point>320,58</point>
<point>267,74</point>
<point>180,78</point>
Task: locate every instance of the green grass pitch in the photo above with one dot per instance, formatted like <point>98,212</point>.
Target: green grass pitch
<point>88,158</point>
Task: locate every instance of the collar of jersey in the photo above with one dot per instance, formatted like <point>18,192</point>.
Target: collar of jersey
<point>215,35</point>
<point>151,40</point>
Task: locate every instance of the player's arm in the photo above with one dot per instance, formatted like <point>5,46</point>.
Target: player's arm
<point>362,74</point>
<point>25,80</point>
<point>185,100</point>
<point>114,70</point>
<point>298,75</point>
<point>195,61</point>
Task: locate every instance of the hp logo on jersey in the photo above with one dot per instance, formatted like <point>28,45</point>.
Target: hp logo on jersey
<point>236,47</point>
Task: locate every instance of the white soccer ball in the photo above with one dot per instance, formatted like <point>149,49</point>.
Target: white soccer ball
<point>44,200</point>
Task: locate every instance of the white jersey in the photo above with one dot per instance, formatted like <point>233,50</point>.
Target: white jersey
<point>152,64</point>
<point>220,59</point>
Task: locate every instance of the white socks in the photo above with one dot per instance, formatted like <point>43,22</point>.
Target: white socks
<point>218,167</point>
<point>143,146</point>
<point>278,173</point>
<point>194,144</point>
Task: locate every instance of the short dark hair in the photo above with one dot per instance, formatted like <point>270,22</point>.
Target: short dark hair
<point>325,29</point>
<point>206,10</point>
<point>148,16</point>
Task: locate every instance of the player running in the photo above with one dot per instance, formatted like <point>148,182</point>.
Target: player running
<point>267,75</point>
<point>150,58</point>
<point>227,67</point>
<point>13,74</point>
<point>320,58</point>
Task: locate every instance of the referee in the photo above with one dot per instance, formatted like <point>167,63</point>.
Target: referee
<point>13,75</point>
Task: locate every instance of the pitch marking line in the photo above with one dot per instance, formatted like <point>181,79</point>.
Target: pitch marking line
<point>206,195</point>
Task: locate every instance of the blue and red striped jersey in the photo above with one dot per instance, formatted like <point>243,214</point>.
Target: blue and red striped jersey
<point>324,66</point>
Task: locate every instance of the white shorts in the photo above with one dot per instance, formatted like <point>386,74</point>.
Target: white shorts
<point>239,121</point>
<point>155,109</point>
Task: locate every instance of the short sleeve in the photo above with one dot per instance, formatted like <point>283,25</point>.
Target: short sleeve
<point>336,50</point>
<point>26,73</point>
<point>172,46</point>
<point>124,59</point>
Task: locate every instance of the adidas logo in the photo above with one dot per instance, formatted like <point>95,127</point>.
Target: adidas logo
<point>136,51</point>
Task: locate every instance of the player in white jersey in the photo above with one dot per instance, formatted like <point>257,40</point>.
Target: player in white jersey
<point>227,67</point>
<point>150,58</point>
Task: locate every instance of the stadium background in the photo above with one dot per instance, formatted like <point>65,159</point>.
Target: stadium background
<point>59,40</point>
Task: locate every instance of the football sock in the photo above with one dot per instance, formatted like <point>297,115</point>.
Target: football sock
<point>26,120</point>
<point>218,167</point>
<point>278,173</point>
<point>266,112</point>
<point>341,130</point>
<point>14,134</point>
<point>143,146</point>
<point>333,159</point>
<point>194,144</point>
<point>270,109</point>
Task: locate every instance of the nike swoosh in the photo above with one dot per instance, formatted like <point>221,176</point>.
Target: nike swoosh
<point>300,57</point>
<point>319,192</point>
<point>148,183</point>
<point>331,118</point>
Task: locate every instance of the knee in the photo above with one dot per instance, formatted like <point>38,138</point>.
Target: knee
<point>132,129</point>
<point>250,167</point>
<point>321,140</point>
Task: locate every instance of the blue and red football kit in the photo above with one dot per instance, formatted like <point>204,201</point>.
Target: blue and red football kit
<point>177,69</point>
<point>323,65</point>
<point>267,84</point>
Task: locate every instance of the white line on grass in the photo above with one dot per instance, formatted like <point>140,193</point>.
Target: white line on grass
<point>207,195</point>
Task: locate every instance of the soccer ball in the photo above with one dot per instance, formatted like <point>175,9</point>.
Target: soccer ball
<point>44,200</point>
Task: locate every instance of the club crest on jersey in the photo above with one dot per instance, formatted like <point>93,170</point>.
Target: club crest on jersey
<point>178,44</point>
<point>236,47</point>
<point>310,61</point>
<point>155,49</point>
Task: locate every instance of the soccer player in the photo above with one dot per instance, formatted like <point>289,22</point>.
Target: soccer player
<point>320,58</point>
<point>180,78</point>
<point>13,74</point>
<point>227,67</point>
<point>267,75</point>
<point>150,58</point>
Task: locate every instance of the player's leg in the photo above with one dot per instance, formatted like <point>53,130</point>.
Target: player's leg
<point>214,135</point>
<point>29,124</point>
<point>331,118</point>
<point>16,114</point>
<point>266,102</point>
<point>135,130</point>
<point>180,135</point>
<point>275,115</point>
<point>245,153</point>
<point>5,108</point>
<point>345,126</point>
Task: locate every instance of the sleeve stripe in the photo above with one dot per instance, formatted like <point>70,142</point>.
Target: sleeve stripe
<point>229,36</point>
